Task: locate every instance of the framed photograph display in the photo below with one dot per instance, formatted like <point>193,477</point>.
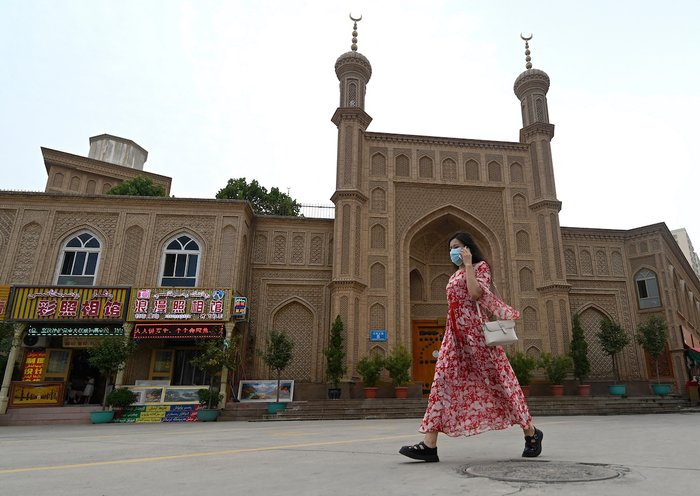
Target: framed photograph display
<point>265,390</point>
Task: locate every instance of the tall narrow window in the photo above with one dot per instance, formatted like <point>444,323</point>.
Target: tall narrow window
<point>647,289</point>
<point>79,260</point>
<point>180,262</point>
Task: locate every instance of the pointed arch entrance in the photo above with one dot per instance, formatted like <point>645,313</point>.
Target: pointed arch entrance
<point>424,278</point>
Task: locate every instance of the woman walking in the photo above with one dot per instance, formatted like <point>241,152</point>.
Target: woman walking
<point>474,388</point>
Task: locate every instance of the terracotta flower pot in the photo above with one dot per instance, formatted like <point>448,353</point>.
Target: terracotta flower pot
<point>370,392</point>
<point>401,392</point>
<point>557,389</point>
<point>584,389</point>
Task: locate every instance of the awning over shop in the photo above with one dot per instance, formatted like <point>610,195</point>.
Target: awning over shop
<point>694,354</point>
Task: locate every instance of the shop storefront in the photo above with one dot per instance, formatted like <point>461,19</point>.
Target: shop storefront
<point>170,326</point>
<point>59,325</point>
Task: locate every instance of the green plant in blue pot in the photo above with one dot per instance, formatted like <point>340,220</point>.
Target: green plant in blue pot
<point>213,358</point>
<point>277,354</point>
<point>109,355</point>
<point>613,339</point>
<point>652,335</point>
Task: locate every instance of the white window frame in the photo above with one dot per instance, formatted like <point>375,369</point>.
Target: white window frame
<point>650,300</point>
<point>182,251</point>
<point>84,238</point>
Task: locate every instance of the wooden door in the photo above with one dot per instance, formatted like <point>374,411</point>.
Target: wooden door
<point>427,337</point>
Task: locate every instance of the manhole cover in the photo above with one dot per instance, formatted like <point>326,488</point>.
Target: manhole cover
<point>541,471</point>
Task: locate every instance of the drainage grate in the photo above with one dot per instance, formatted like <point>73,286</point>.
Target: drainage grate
<point>542,471</point>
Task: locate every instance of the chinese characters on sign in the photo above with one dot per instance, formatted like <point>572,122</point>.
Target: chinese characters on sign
<point>69,304</point>
<point>75,331</point>
<point>180,304</point>
<point>240,307</point>
<point>34,365</point>
<point>184,330</point>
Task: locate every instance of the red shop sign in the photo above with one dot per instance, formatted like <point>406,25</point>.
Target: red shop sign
<point>180,330</point>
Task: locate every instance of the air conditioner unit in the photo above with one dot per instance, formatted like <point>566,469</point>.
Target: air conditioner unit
<point>30,341</point>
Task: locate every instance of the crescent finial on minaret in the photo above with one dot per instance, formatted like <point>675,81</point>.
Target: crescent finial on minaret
<point>526,39</point>
<point>353,47</point>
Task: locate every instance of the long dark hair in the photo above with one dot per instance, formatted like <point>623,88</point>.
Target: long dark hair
<point>468,241</point>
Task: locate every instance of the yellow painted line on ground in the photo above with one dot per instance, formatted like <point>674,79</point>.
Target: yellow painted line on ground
<point>197,455</point>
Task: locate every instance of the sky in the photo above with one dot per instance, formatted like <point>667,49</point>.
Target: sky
<point>227,89</point>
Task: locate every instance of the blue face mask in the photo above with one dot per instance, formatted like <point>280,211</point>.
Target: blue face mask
<point>455,256</point>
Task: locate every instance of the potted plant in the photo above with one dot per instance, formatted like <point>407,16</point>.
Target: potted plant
<point>578,351</point>
<point>613,339</point>
<point>652,336</point>
<point>120,398</point>
<point>277,355</point>
<point>108,355</point>
<point>556,368</point>
<point>335,368</point>
<point>212,359</point>
<point>523,366</point>
<point>397,364</point>
<point>369,368</point>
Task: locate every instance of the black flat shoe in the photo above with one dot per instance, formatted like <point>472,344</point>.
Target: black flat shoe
<point>420,452</point>
<point>533,444</point>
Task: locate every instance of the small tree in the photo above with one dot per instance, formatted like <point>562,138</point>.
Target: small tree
<point>278,354</point>
<point>138,186</point>
<point>273,202</point>
<point>523,367</point>
<point>108,355</point>
<point>613,339</point>
<point>335,368</point>
<point>397,364</point>
<point>370,367</point>
<point>212,359</point>
<point>555,367</point>
<point>578,350</point>
<point>652,336</point>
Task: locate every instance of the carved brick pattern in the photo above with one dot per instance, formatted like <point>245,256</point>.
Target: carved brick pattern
<point>378,200</point>
<point>377,317</point>
<point>298,249</point>
<point>358,241</point>
<point>563,315</point>
<point>347,166</point>
<point>25,261</point>
<point>554,227</point>
<point>416,285</point>
<point>527,282</point>
<point>378,237</point>
<point>345,242</point>
<point>522,243</point>
<point>586,263</point>
<point>553,338</point>
<point>316,251</point>
<point>260,249</point>
<point>519,207</point>
<point>403,166</point>
<point>297,322</point>
<point>226,256</point>
<point>516,173</point>
<point>601,263</point>
<point>655,244</point>
<point>437,287</point>
<point>378,276</point>
<point>570,259</point>
<point>530,324</point>
<point>495,173</point>
<point>133,251</point>
<point>544,250</point>
<point>356,341</point>
<point>618,264</point>
<point>471,170</point>
<point>425,167</point>
<point>601,364</point>
<point>378,165</point>
<point>279,249</point>
<point>643,248</point>
<point>7,219</point>
<point>428,311</point>
<point>449,170</point>
<point>533,347</point>
<point>67,222</point>
<point>344,307</point>
<point>412,202</point>
<point>201,225</point>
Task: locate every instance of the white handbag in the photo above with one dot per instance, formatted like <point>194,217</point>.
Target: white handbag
<point>498,332</point>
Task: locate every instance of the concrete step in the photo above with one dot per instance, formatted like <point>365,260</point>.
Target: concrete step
<point>79,414</point>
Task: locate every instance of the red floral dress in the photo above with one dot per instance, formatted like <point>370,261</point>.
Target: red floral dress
<point>474,389</point>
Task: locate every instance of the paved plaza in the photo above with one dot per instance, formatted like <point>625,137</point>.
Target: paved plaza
<point>602,456</point>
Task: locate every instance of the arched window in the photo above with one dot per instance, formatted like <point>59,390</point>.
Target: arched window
<point>180,262</point>
<point>79,260</point>
<point>647,289</point>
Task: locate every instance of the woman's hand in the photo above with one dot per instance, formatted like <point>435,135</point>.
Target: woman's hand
<point>466,255</point>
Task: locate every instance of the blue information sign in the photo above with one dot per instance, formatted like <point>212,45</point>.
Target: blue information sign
<point>377,335</point>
